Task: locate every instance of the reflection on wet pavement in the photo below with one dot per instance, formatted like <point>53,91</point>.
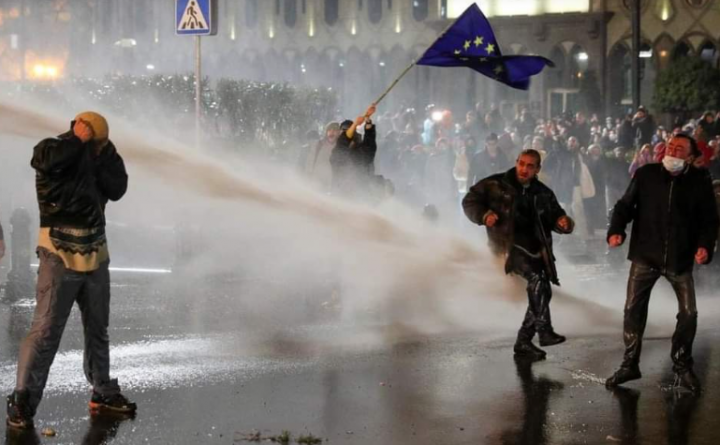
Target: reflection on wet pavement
<point>536,395</point>
<point>681,408</point>
<point>103,428</point>
<point>628,400</point>
<point>202,375</point>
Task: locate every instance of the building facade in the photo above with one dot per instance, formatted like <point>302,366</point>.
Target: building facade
<point>359,46</point>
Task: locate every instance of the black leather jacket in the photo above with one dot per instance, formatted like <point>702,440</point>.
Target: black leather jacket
<point>352,162</point>
<point>497,193</point>
<point>73,184</point>
<point>672,217</point>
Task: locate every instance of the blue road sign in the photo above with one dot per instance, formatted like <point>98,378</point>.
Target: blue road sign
<point>196,17</point>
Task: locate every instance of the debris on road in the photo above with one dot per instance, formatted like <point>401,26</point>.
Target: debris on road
<point>48,432</point>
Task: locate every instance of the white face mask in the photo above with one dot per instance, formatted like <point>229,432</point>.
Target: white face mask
<point>673,165</point>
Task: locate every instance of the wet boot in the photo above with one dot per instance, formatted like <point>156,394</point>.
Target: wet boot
<point>526,349</point>
<point>687,380</point>
<point>622,375</point>
<point>549,338</point>
<point>524,346</point>
<point>540,294</point>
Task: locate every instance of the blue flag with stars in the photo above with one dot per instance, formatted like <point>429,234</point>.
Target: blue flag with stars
<point>470,42</point>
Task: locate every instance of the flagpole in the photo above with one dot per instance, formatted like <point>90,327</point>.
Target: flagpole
<point>414,62</point>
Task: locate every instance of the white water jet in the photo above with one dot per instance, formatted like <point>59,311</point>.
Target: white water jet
<point>392,266</point>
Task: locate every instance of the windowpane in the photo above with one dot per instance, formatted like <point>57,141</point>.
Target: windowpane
<point>251,13</point>
<point>290,13</point>
<point>331,11</point>
<point>374,10</point>
<point>420,9</point>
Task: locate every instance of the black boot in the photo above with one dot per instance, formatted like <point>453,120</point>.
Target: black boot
<point>687,380</point>
<point>622,375</point>
<point>526,349</point>
<point>549,337</point>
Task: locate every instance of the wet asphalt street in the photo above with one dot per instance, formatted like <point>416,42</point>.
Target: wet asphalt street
<point>202,375</point>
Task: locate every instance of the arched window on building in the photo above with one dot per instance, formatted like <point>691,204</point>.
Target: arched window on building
<point>620,79</point>
<point>290,13</point>
<point>420,9</point>
<point>663,48</point>
<point>578,65</point>
<point>331,11</point>
<point>709,53</point>
<point>556,75</point>
<point>251,13</point>
<point>374,11</point>
<point>647,58</point>
<point>682,49</point>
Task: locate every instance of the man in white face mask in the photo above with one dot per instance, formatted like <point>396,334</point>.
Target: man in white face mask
<point>675,223</point>
<point>673,165</point>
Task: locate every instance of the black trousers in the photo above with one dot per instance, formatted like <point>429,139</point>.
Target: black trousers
<point>640,284</point>
<point>539,292</point>
<point>57,291</point>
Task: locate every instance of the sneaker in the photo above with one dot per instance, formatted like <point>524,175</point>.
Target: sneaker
<point>22,436</point>
<point>550,337</point>
<point>116,403</point>
<point>687,380</point>
<point>529,350</point>
<point>623,375</point>
<point>19,413</point>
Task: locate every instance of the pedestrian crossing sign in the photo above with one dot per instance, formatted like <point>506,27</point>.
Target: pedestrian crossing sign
<point>196,17</point>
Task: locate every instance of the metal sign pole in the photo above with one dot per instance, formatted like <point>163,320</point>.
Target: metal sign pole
<point>198,90</point>
<point>196,18</point>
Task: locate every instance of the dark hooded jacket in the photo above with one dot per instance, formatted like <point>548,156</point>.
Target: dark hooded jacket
<point>498,193</point>
<point>73,184</point>
<point>672,216</point>
<point>352,162</point>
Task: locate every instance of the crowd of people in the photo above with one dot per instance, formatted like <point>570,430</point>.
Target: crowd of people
<point>588,162</point>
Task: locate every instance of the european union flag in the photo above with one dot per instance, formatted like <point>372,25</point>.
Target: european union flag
<point>470,42</point>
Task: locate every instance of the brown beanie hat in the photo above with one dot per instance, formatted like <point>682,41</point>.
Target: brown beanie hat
<point>97,123</point>
<point>332,126</point>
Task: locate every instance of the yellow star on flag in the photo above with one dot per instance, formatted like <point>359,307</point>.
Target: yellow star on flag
<point>490,48</point>
<point>467,45</point>
<point>498,69</point>
<point>483,59</point>
<point>457,51</point>
<point>478,41</point>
